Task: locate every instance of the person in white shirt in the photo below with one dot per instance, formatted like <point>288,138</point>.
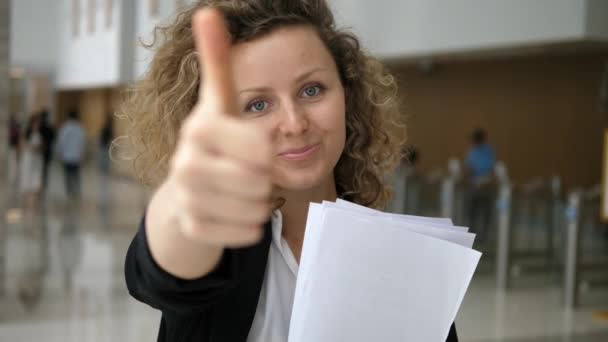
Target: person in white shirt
<point>31,163</point>
<point>71,142</point>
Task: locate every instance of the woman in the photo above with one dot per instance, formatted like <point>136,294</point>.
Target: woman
<point>105,140</point>
<point>285,110</point>
<point>32,162</point>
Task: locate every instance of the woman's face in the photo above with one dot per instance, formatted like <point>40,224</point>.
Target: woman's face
<point>287,84</point>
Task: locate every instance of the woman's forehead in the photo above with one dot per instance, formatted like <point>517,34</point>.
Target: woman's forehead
<point>291,49</point>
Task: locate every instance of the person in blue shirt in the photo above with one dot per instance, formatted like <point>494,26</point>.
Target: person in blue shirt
<point>70,148</point>
<point>480,164</point>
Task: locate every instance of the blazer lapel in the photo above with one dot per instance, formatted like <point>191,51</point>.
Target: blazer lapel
<point>232,318</point>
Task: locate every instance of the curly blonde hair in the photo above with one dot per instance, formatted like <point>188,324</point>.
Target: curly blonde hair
<point>157,104</point>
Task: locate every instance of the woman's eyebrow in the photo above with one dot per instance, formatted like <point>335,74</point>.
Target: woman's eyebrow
<point>255,90</point>
<point>305,75</point>
<point>298,79</point>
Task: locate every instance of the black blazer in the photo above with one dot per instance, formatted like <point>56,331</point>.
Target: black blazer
<point>218,307</point>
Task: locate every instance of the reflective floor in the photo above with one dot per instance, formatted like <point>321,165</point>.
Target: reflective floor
<point>61,277</point>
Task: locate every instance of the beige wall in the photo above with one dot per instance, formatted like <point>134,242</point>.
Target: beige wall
<point>94,105</point>
<point>40,93</point>
<point>94,108</point>
<point>66,100</point>
<point>540,113</point>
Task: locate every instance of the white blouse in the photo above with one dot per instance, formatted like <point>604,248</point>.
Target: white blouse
<point>271,320</point>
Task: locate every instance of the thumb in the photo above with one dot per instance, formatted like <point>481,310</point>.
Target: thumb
<point>213,46</point>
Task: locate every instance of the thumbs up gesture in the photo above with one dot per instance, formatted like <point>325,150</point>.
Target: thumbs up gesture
<point>220,171</point>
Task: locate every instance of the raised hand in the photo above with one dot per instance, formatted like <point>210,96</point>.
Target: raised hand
<point>220,172</point>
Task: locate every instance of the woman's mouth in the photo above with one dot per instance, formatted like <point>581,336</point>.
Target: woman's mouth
<point>299,153</point>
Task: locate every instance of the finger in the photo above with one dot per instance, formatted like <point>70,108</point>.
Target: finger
<point>213,45</point>
<point>235,239</point>
<point>230,209</point>
<point>193,162</point>
<point>235,178</point>
<point>243,143</point>
<point>231,138</point>
<point>220,234</point>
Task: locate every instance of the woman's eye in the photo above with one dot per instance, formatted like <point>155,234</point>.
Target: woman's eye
<point>257,106</point>
<point>312,91</point>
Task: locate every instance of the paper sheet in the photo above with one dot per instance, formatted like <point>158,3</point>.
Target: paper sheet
<point>365,276</point>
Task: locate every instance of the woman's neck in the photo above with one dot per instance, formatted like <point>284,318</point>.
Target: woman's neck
<point>295,212</point>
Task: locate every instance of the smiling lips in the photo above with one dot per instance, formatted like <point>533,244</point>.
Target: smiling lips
<point>299,153</point>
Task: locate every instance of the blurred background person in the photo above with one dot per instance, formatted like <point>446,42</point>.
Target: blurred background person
<point>403,181</point>
<point>70,147</point>
<point>14,136</point>
<point>413,180</point>
<point>410,161</point>
<point>480,163</point>
<point>31,164</point>
<point>47,133</point>
<point>105,140</point>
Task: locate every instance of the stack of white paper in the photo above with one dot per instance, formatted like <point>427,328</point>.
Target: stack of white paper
<point>366,275</point>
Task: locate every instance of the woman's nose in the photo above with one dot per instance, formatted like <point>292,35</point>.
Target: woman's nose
<point>293,120</point>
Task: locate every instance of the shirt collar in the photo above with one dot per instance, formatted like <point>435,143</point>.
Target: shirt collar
<point>276,221</point>
<point>280,243</point>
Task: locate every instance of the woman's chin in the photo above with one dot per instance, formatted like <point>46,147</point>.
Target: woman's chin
<point>303,182</point>
<point>298,185</point>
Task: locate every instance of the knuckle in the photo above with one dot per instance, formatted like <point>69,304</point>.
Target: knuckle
<point>184,170</point>
<point>191,228</point>
<point>260,211</point>
<point>204,128</point>
<point>190,166</point>
<point>183,155</point>
<point>197,126</point>
<point>190,206</point>
<point>189,126</point>
<point>241,173</point>
<point>192,169</point>
<point>261,187</point>
<point>266,187</point>
<point>177,158</point>
<point>181,196</point>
